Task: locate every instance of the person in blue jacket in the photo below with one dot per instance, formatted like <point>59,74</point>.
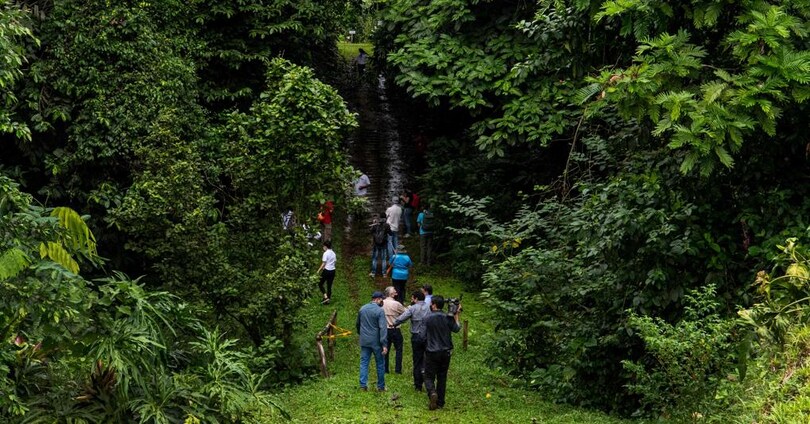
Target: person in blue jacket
<point>400,267</point>
<point>373,330</point>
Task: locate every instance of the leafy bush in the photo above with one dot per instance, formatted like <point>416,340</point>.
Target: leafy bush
<point>108,350</point>
<point>685,362</point>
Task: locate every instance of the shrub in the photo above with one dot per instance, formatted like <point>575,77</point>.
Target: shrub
<point>683,363</point>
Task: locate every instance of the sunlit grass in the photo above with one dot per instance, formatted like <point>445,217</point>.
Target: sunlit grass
<point>350,50</point>
<point>475,394</point>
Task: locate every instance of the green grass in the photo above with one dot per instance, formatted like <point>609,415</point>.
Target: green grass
<point>350,50</point>
<point>475,392</point>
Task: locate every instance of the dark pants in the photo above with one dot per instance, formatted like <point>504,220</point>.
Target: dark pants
<point>418,346</point>
<point>400,286</point>
<point>395,338</point>
<point>328,277</point>
<point>425,249</point>
<point>436,366</point>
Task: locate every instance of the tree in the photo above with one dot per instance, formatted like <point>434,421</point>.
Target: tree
<point>677,124</point>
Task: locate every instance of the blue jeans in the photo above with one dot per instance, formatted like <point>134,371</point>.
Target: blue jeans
<point>365,358</point>
<point>382,253</point>
<point>392,242</point>
<point>406,216</point>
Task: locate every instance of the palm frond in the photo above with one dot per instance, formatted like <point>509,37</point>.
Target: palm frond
<point>12,262</point>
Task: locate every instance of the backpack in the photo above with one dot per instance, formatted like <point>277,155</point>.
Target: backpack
<point>427,221</point>
<point>381,234</point>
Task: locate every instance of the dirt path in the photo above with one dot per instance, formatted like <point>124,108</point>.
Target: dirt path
<point>377,149</point>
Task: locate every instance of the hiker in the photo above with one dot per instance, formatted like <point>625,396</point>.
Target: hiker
<point>379,245</point>
<point>288,220</point>
<point>392,217</point>
<point>325,218</point>
<point>426,223</point>
<point>361,185</point>
<point>407,210</point>
<point>393,309</point>
<point>427,290</point>
<point>438,350</point>
<point>373,330</point>
<point>327,271</point>
<point>399,268</point>
<point>417,313</point>
<point>359,62</point>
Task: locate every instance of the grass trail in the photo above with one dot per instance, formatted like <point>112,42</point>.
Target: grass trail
<point>475,392</point>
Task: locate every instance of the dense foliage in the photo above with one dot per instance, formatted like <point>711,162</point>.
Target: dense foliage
<point>673,159</point>
<point>181,132</point>
<point>106,350</point>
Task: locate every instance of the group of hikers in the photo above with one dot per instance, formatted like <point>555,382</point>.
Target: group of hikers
<point>431,340</point>
<point>378,321</point>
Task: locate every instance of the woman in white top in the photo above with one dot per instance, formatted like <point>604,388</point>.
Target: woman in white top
<point>327,271</point>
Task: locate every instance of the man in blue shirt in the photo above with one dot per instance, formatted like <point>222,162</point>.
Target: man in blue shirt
<point>373,330</point>
<point>426,224</point>
<point>439,348</point>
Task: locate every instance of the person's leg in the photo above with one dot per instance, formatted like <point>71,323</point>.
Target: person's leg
<point>398,341</point>
<point>388,356</point>
<point>321,280</point>
<point>327,232</point>
<point>375,251</point>
<point>365,357</point>
<point>423,249</point>
<point>430,372</point>
<point>330,278</point>
<point>441,376</point>
<point>394,240</point>
<point>378,359</point>
<point>418,347</point>
<point>429,249</point>
<point>399,285</point>
<point>406,216</point>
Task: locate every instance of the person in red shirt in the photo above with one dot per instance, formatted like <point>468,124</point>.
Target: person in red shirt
<point>325,217</point>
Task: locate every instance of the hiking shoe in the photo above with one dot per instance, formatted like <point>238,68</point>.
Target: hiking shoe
<point>325,301</point>
<point>364,389</point>
<point>434,401</point>
<point>380,389</point>
<point>371,274</point>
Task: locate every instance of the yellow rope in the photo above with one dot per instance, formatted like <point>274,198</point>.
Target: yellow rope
<point>342,332</point>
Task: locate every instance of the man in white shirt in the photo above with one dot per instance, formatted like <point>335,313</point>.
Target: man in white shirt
<point>392,217</point>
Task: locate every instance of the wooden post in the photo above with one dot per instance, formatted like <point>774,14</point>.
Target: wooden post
<point>327,331</point>
<point>333,321</point>
<point>466,332</point>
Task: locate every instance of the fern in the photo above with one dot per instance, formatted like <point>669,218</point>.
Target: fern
<point>78,235</point>
<point>12,262</point>
<point>58,254</point>
<point>583,94</point>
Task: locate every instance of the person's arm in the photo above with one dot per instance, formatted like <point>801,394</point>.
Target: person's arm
<point>383,325</point>
<point>404,317</point>
<point>390,265</point>
<point>320,268</point>
<point>456,325</point>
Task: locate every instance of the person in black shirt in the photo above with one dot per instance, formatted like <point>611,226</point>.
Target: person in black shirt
<point>439,348</point>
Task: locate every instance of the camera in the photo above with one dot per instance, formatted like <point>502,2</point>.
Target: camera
<point>453,305</point>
